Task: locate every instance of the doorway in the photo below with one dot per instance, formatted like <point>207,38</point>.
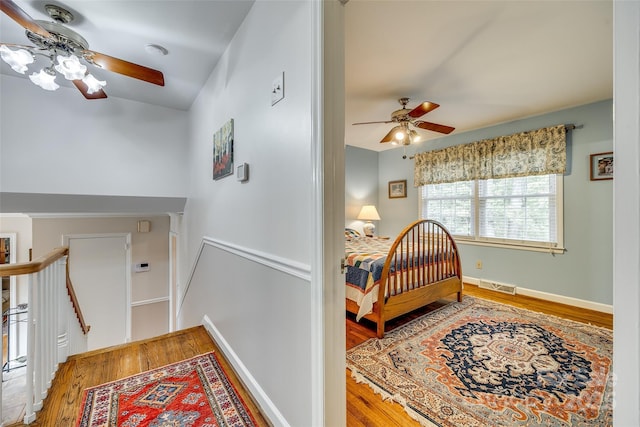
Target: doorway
<point>99,267</point>
<point>8,256</point>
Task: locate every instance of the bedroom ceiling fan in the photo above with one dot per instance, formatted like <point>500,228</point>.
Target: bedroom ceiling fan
<point>402,133</point>
<point>66,50</point>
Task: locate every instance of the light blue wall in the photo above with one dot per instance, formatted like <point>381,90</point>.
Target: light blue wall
<point>585,270</point>
<point>361,183</point>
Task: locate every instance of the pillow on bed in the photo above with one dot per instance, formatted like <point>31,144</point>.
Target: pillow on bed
<point>350,233</point>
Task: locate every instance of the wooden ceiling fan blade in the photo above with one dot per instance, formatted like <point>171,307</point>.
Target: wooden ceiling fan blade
<point>14,12</point>
<point>84,89</point>
<point>423,109</point>
<point>125,68</point>
<point>370,123</point>
<point>434,127</point>
<point>388,137</point>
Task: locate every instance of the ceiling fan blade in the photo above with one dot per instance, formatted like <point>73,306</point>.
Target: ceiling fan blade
<point>82,87</point>
<point>14,12</point>
<point>125,68</point>
<point>370,123</point>
<point>434,127</point>
<point>388,137</point>
<point>423,109</point>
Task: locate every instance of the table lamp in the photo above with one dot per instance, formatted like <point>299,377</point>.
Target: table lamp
<point>369,213</point>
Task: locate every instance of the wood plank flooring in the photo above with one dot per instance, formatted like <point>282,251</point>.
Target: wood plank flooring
<point>62,405</point>
<point>365,408</point>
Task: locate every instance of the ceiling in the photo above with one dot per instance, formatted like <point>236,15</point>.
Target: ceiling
<point>484,62</point>
<point>194,32</point>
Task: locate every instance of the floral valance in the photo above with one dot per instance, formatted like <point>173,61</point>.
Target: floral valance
<point>538,152</point>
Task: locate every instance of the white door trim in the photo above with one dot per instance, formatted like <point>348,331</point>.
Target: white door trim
<point>327,165</point>
<point>127,236</point>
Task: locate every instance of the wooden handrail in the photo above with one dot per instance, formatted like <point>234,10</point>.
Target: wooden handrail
<point>34,266</point>
<point>40,264</point>
<point>76,304</point>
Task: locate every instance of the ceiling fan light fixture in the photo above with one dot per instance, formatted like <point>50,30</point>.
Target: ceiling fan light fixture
<point>398,133</point>
<point>93,85</point>
<point>45,79</point>
<point>415,136</point>
<point>16,59</point>
<point>70,67</point>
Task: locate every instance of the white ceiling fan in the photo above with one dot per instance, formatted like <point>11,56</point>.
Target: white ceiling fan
<point>68,52</point>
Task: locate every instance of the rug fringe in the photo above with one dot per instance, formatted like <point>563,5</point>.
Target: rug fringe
<point>362,379</point>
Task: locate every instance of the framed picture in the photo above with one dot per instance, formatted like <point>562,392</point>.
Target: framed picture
<point>223,151</point>
<point>398,189</point>
<point>602,166</point>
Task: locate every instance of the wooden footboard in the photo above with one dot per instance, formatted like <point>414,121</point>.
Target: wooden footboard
<point>423,265</point>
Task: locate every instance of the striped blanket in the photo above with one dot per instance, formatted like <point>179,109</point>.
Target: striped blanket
<point>365,257</point>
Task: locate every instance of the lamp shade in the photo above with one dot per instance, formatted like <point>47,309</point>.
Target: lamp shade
<point>369,213</point>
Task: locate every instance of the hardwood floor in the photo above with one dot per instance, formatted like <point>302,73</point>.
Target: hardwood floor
<point>365,408</point>
<point>62,405</point>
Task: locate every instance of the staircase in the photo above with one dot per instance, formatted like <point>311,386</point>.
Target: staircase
<point>55,327</point>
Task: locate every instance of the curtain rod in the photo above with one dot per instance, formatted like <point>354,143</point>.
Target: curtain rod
<point>567,127</point>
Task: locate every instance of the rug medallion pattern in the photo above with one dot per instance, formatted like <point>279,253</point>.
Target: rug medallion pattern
<point>481,363</point>
<point>192,393</point>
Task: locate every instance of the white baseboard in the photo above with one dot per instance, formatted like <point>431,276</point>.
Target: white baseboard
<point>575,302</point>
<point>269,410</point>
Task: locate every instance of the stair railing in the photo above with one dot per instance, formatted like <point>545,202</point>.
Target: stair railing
<point>55,325</point>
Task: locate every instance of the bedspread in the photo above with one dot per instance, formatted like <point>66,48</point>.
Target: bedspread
<point>365,257</point>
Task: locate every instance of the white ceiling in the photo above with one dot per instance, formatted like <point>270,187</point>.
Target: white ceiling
<point>484,62</point>
<point>195,32</point>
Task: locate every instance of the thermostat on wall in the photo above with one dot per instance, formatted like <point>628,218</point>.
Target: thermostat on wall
<point>242,172</point>
<point>141,267</point>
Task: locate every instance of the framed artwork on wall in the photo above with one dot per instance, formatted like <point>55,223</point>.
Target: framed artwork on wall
<point>398,189</point>
<point>223,151</point>
<point>601,166</point>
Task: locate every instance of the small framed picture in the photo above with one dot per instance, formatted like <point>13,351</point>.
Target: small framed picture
<point>602,166</point>
<point>223,151</point>
<point>398,189</point>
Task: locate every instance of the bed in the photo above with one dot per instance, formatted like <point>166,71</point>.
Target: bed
<point>386,278</point>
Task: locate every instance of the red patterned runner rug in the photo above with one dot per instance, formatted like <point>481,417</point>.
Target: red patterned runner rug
<point>192,393</point>
<point>482,363</point>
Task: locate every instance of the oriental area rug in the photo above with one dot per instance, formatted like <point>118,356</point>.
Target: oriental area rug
<point>193,393</point>
<point>482,363</point>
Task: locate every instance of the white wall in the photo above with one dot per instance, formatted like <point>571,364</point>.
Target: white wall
<point>59,142</point>
<point>253,276</point>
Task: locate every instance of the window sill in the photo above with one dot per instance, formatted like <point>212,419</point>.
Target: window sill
<point>517,246</point>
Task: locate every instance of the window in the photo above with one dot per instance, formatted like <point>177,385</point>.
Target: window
<point>525,212</point>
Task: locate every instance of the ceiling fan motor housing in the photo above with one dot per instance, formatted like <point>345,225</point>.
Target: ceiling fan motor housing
<point>63,39</point>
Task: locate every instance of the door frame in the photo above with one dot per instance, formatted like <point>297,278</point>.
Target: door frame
<point>127,236</point>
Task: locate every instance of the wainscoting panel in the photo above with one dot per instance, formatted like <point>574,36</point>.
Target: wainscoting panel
<point>260,306</point>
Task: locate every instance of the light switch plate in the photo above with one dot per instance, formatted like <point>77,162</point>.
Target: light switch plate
<point>277,91</point>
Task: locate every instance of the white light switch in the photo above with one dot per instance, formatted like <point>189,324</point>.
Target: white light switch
<point>277,91</point>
